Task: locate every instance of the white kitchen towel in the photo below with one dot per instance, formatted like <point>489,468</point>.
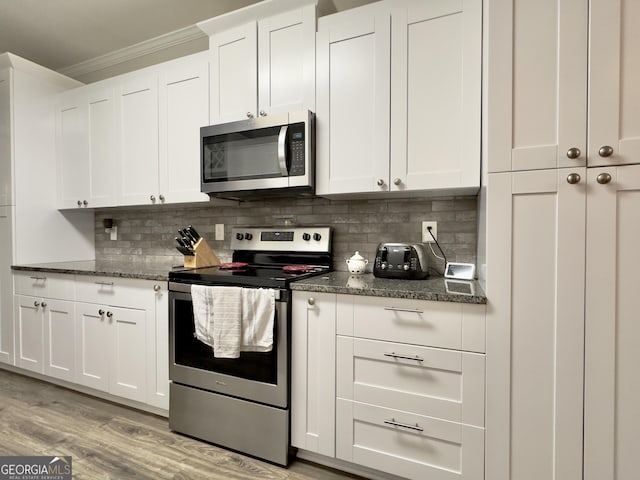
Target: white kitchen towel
<point>218,318</point>
<point>258,312</point>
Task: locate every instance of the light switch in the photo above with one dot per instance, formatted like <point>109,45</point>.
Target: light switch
<point>219,231</point>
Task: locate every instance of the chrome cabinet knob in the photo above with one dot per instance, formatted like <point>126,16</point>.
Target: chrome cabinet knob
<point>311,301</point>
<point>263,113</point>
<point>109,314</point>
<point>44,304</point>
<point>573,178</point>
<point>573,153</point>
<point>605,151</point>
<point>603,178</point>
<point>397,181</point>
<point>85,203</point>
<point>156,288</point>
<point>249,115</point>
<point>161,197</point>
<point>380,182</point>
<point>79,203</point>
<point>101,312</point>
<point>36,304</point>
<point>152,198</point>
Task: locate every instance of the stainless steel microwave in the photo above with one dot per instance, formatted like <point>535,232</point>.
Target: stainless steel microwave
<point>265,155</point>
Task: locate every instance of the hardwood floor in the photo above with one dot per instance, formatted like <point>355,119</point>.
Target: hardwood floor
<point>109,441</point>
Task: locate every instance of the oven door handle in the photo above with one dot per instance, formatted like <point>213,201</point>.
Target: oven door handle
<point>282,150</point>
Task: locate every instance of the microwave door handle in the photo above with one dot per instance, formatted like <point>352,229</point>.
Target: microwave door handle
<point>282,151</point>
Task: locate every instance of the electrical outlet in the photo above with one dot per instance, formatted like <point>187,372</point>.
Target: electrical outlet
<point>426,236</point>
<point>219,231</point>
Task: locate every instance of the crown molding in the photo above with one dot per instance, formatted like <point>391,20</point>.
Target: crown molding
<point>153,45</point>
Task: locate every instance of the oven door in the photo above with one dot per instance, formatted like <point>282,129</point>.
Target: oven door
<point>257,376</point>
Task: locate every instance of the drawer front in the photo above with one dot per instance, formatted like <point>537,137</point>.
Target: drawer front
<point>436,324</point>
<point>122,292</point>
<point>439,383</point>
<point>411,446</point>
<point>48,285</point>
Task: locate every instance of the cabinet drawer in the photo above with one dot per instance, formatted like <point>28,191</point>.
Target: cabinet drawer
<point>420,322</point>
<point>48,285</point>
<point>408,445</point>
<point>123,292</point>
<point>437,383</point>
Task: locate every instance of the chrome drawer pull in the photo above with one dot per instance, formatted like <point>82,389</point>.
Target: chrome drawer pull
<point>404,425</point>
<point>395,355</point>
<point>38,278</point>
<point>409,310</point>
<point>108,284</point>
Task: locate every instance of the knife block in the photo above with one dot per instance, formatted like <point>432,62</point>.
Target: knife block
<point>202,256</point>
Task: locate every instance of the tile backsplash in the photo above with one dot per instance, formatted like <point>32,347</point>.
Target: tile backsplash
<point>146,234</point>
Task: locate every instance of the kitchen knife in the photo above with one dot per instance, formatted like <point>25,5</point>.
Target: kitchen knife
<point>180,242</point>
<point>184,251</point>
<point>194,234</point>
<point>185,238</point>
<point>190,236</point>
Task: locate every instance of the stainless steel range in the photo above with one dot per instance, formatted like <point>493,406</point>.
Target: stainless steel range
<point>242,403</point>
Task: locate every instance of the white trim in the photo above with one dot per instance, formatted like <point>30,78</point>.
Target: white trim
<point>168,40</point>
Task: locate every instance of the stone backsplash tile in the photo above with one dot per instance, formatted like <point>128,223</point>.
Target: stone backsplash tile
<point>146,234</point>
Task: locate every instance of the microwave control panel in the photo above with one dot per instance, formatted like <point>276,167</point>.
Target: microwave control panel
<point>296,149</point>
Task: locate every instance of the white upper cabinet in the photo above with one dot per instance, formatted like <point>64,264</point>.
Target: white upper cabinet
<point>102,148</point>
<point>184,90</point>
<point>6,188</point>
<point>435,118</point>
<point>72,150</point>
<point>541,57</point>
<point>352,123</point>
<point>137,121</point>
<point>262,61</point>
<point>614,82</point>
<point>386,122</point>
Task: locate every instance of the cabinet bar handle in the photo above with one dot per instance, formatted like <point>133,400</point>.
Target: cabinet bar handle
<point>404,425</point>
<point>410,310</point>
<point>38,278</point>
<point>405,357</point>
<point>108,284</point>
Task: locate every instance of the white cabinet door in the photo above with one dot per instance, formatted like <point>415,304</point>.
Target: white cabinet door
<point>6,139</point>
<point>28,333</point>
<point>184,108</point>
<point>94,340</point>
<point>435,118</point>
<point>614,82</point>
<point>59,339</point>
<point>158,350</point>
<point>102,149</point>
<point>536,84</point>
<point>313,371</point>
<point>286,62</point>
<point>353,97</point>
<point>612,356</point>
<point>128,353</point>
<point>234,74</point>
<point>6,286</point>
<point>72,150</point>
<point>137,120</point>
<point>535,325</point>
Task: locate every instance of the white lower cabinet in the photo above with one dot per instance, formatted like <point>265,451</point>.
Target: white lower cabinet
<point>313,363</point>
<point>115,340</point>
<point>399,382</point>
<point>112,350</point>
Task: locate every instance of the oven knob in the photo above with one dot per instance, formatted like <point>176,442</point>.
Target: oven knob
<point>384,265</point>
<point>248,236</point>
<point>239,236</point>
<point>306,237</point>
<point>317,237</point>
<point>406,267</point>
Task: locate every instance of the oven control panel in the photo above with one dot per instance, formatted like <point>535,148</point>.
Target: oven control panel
<point>285,239</point>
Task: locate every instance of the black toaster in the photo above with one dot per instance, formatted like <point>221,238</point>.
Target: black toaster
<point>401,260</point>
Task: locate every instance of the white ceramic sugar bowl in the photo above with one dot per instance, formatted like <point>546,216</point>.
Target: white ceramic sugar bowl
<point>357,264</point>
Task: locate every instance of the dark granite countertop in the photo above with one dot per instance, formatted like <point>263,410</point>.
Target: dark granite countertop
<point>434,288</point>
<point>156,272</point>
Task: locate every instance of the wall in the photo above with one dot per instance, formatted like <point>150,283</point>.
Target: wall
<point>146,234</point>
